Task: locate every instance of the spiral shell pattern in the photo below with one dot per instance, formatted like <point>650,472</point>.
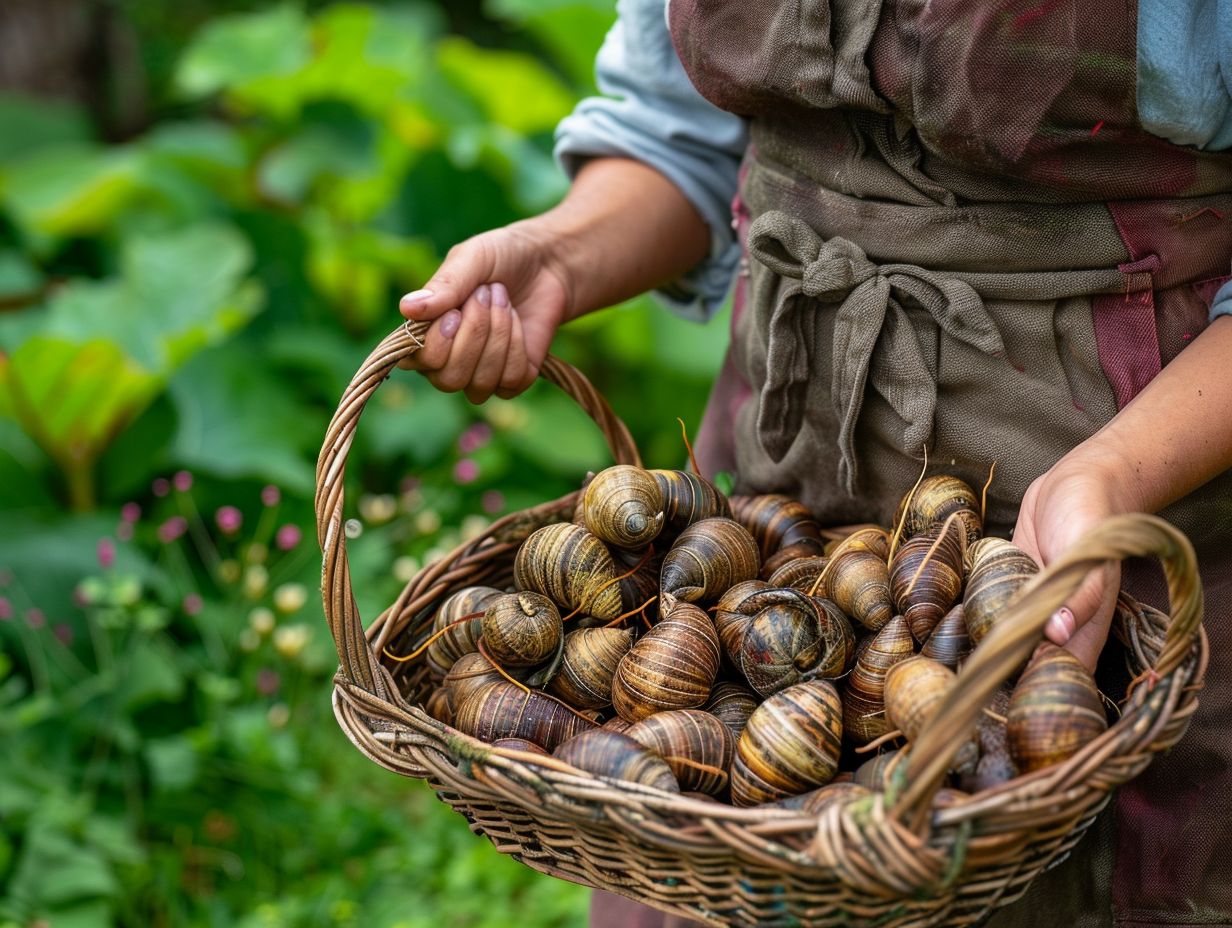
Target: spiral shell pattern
<point>502,710</point>
<point>695,744</point>
<point>461,639</point>
<point>688,498</point>
<point>864,715</point>
<point>998,572</point>
<point>623,505</point>
<point>731,704</point>
<point>1054,711</point>
<point>589,664</point>
<point>672,666</point>
<point>709,557</point>
<point>935,500</point>
<point>571,567</point>
<point>615,756</point>
<point>926,579</point>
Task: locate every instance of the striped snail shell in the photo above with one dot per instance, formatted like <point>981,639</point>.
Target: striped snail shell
<point>864,715</point>
<point>858,582</point>
<point>616,723</point>
<point>623,505</point>
<point>935,500</point>
<point>689,498</point>
<point>696,745</point>
<point>732,616</point>
<point>791,637</point>
<point>672,666</point>
<point>876,773</point>
<point>589,663</point>
<point>801,573</point>
<point>997,573</point>
<point>613,756</point>
<point>639,577</point>
<point>1054,711</point>
<point>502,710</point>
<point>522,629</point>
<point>815,800</point>
<point>949,642</point>
<point>871,538</point>
<point>439,704</point>
<point>777,521</point>
<point>470,673</point>
<point>709,557</point>
<point>519,744</point>
<point>801,550</point>
<point>926,578</point>
<point>731,704</point>
<point>460,639</point>
<point>790,745</point>
<point>914,689</point>
<point>571,567</point>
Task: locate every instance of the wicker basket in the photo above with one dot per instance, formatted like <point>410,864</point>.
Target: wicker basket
<point>893,860</point>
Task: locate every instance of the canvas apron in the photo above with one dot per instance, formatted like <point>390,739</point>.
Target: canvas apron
<point>957,235</point>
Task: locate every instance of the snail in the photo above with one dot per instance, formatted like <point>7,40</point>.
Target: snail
<point>588,665</point>
<point>439,705</point>
<point>639,578</point>
<point>871,538</point>
<point>616,723</point>
<point>776,521</point>
<point>731,704</point>
<point>504,710</point>
<point>522,629</point>
<point>615,756</point>
<point>470,673</point>
<point>672,666</point>
<point>914,689</point>
<point>519,744</point>
<point>571,567</point>
<point>998,570</point>
<point>1054,711</point>
<point>461,638</point>
<point>801,573</point>
<point>789,636</point>
<point>688,498</point>
<point>877,773</point>
<point>815,800</point>
<point>926,578</point>
<point>696,745</point>
<point>949,642</point>
<point>709,557</point>
<point>935,500</point>
<point>858,581</point>
<point>790,745</point>
<point>864,715</point>
<point>623,506</point>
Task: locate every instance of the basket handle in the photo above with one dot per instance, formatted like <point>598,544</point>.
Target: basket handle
<point>1012,640</point>
<point>358,663</point>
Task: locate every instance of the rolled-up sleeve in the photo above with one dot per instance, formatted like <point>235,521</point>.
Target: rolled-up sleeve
<point>650,111</point>
<point>1221,305</point>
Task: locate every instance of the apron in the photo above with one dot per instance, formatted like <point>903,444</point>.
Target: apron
<point>958,235</point>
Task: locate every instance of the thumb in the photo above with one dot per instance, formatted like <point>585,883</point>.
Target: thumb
<point>1095,597</point>
<point>465,267</point>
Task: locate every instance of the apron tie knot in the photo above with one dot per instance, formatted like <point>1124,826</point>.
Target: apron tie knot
<point>874,340</point>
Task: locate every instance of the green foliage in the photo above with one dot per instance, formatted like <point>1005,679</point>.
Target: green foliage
<point>179,313</point>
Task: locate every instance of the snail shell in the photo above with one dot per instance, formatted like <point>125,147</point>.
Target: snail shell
<point>708,558</point>
<point>672,666</point>
<point>731,704</point>
<point>502,710</point>
<point>460,639</point>
<point>949,642</point>
<point>440,705</point>
<point>871,538</point>
<point>858,582</point>
<point>589,663</point>
<point>732,616</point>
<point>998,571</point>
<point>571,567</point>
<point>696,745</point>
<point>801,574</point>
<point>935,500</point>
<point>790,745</point>
<point>616,723</point>
<point>864,715</point>
<point>816,800</point>
<point>519,744</point>
<point>470,674</point>
<point>914,689</point>
<point>926,578</point>
<point>877,772</point>
<point>777,521</point>
<point>614,756</point>
<point>790,637</point>
<point>689,498</point>
<point>1054,711</point>
<point>623,505</point>
<point>522,629</point>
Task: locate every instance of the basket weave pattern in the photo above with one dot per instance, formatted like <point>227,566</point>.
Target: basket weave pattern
<point>897,859</point>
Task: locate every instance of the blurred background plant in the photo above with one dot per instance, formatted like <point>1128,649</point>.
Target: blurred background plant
<point>207,213</point>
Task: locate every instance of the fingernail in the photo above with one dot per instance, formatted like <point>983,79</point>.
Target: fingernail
<point>450,322</point>
<point>484,295</point>
<point>1061,625</point>
<point>500,296</point>
<point>416,296</point>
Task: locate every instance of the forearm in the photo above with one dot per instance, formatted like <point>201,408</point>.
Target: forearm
<point>623,229</point>
<point>1176,434</point>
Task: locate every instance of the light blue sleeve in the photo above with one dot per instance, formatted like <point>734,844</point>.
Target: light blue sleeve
<point>651,111</point>
<point>1185,71</point>
<point>1222,304</point>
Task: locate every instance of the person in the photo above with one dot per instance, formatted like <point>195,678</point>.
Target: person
<point>999,231</point>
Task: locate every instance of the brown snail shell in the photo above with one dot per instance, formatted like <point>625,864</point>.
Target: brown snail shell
<point>926,578</point>
<point>732,615</point>
<point>935,500</point>
<point>623,505</point>
<point>696,745</point>
<point>709,557</point>
<point>672,666</point>
<point>614,756</point>
<point>1054,711</point>
<point>616,723</point>
<point>439,705</point>
<point>792,637</point>
<point>639,578</point>
<point>589,663</point>
<point>689,498</point>
<point>522,629</point>
<point>571,567</point>
<point>519,744</point>
<point>864,712</point>
<point>731,704</point>
<point>914,689</point>
<point>790,745</point>
<point>470,674</point>
<point>871,538</point>
<point>777,521</point>
<point>461,639</point>
<point>815,800</point>
<point>949,642</point>
<point>858,582</point>
<point>877,773</point>
<point>502,710</point>
<point>998,572</point>
<point>801,573</point>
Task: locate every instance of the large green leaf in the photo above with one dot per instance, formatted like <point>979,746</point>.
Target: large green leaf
<point>30,125</point>
<point>244,50</point>
<point>19,278</point>
<point>514,89</point>
<point>73,190</point>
